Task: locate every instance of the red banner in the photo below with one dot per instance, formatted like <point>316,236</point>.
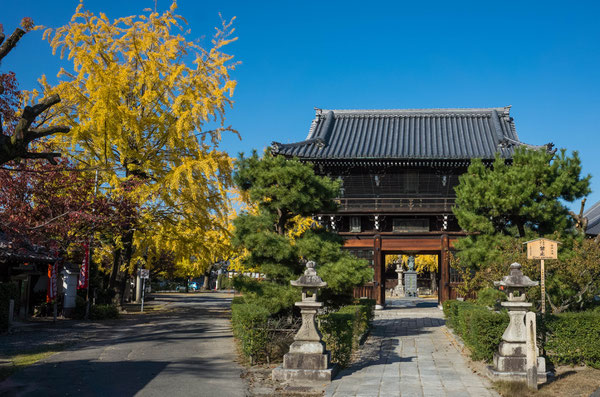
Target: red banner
<point>84,273</point>
<point>52,292</point>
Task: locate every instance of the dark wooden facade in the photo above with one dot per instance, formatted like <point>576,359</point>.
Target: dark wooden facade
<point>398,170</point>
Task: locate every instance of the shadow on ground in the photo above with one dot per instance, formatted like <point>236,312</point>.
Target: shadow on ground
<point>381,346</point>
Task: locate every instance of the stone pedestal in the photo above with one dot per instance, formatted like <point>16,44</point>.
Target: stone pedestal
<point>410,283</point>
<point>510,362</point>
<point>511,359</point>
<point>307,359</point>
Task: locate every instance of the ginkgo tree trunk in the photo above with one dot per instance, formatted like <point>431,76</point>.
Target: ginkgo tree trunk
<point>144,102</point>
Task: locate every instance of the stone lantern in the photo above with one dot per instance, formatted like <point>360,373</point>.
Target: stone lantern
<point>399,290</point>
<point>307,359</point>
<point>511,359</point>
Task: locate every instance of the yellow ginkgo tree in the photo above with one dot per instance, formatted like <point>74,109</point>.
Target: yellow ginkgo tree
<point>144,102</point>
<point>423,263</point>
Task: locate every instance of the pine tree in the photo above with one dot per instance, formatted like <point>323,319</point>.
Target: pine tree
<point>279,233</point>
<point>522,198</point>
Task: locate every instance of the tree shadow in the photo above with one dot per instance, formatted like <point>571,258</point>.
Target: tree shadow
<point>101,365</point>
<point>115,378</point>
<point>382,347</point>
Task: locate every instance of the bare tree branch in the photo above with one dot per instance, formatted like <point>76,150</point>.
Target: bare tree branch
<point>11,42</point>
<point>36,133</point>
<point>31,112</point>
<point>16,146</point>
<point>48,156</point>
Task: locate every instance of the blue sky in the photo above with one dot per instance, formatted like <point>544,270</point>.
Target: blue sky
<point>542,58</point>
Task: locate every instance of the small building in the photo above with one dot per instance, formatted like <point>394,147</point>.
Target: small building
<point>398,170</point>
<point>27,266</point>
<point>593,219</point>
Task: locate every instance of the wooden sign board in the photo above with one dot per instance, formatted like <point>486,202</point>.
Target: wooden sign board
<point>542,248</point>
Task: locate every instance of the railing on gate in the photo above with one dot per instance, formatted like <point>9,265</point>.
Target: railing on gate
<point>365,291</point>
<point>397,204</point>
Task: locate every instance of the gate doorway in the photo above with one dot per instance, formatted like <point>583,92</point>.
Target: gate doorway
<point>380,246</point>
<point>426,266</point>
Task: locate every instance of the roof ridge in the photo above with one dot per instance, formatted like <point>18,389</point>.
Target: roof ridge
<point>504,110</point>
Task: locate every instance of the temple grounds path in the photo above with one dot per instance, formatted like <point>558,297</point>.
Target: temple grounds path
<point>410,353</point>
<point>185,350</point>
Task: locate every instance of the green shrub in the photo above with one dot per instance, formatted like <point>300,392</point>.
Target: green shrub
<point>338,334</point>
<point>8,291</point>
<point>274,297</point>
<point>238,300</point>
<point>573,338</point>
<point>225,282</point>
<point>480,328</point>
<point>249,323</point>
<point>370,304</point>
<point>486,332</point>
<point>97,312</point>
<point>342,330</point>
<point>103,312</point>
<point>490,297</point>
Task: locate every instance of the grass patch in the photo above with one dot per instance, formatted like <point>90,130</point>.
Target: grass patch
<point>568,381</point>
<point>12,364</point>
<point>513,389</point>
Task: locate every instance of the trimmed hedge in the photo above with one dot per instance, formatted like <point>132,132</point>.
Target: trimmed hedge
<point>254,326</point>
<point>249,322</point>
<point>97,312</point>
<point>480,329</point>
<point>573,338</point>
<point>570,338</point>
<point>103,312</point>
<point>8,291</point>
<point>343,329</point>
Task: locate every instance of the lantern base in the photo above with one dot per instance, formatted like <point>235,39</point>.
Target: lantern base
<point>514,368</point>
<point>303,376</point>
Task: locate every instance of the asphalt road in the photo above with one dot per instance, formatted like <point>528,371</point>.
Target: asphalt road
<point>187,350</point>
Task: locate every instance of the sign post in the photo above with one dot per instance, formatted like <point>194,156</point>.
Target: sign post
<point>144,274</point>
<point>542,248</point>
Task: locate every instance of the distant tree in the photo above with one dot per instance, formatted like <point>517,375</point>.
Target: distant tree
<point>279,233</point>
<point>18,132</point>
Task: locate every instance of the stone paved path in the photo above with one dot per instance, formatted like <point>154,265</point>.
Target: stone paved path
<point>410,353</point>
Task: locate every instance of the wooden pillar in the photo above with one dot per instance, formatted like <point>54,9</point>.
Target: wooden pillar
<point>379,268</point>
<point>444,289</point>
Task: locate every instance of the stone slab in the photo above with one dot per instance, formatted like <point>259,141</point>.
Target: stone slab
<point>281,374</point>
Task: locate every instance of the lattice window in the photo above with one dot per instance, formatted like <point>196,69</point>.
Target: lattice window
<point>410,225</point>
<point>355,226</point>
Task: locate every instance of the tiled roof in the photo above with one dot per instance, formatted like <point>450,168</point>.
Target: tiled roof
<point>593,216</point>
<point>407,134</point>
<point>11,251</point>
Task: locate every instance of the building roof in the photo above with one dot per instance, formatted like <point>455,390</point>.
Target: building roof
<point>12,251</point>
<point>593,216</point>
<point>444,134</point>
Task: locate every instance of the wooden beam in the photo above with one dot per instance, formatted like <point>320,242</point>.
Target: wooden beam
<point>444,266</point>
<point>358,243</point>
<point>404,244</point>
<point>379,268</point>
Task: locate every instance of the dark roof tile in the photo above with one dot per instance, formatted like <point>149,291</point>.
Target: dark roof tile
<point>593,216</point>
<point>407,134</point>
